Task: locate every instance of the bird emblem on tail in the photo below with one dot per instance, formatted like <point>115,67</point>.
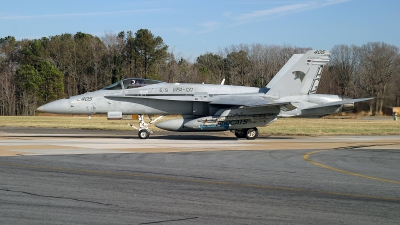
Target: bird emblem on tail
<point>299,75</point>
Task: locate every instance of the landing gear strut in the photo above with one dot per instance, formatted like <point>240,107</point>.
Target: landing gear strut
<point>249,134</point>
<point>144,131</point>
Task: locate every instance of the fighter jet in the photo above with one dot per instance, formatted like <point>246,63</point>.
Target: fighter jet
<point>212,107</point>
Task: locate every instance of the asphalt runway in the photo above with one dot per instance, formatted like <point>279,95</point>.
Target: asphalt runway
<point>53,176</point>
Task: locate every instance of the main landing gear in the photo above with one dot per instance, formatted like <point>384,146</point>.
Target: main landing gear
<point>144,131</point>
<point>249,134</point>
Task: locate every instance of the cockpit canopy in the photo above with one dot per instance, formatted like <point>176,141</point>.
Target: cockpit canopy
<point>131,83</point>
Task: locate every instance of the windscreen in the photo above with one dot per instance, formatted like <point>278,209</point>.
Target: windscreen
<point>138,82</point>
<point>114,86</point>
<point>131,83</point>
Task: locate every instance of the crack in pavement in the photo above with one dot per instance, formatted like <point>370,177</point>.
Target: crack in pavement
<point>54,197</point>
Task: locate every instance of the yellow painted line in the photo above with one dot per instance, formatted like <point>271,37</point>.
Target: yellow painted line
<point>306,158</point>
<point>199,181</point>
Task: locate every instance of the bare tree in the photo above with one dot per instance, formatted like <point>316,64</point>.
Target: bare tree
<point>8,65</point>
<point>7,89</point>
<point>343,66</point>
<point>377,68</point>
<point>113,59</point>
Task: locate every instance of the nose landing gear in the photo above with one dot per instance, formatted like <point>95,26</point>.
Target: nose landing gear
<point>144,131</point>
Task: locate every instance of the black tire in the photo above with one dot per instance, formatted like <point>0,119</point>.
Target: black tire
<point>240,133</point>
<point>251,133</point>
<point>143,134</point>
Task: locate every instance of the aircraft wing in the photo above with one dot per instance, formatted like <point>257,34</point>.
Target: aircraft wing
<point>338,103</point>
<point>251,101</point>
<point>232,100</point>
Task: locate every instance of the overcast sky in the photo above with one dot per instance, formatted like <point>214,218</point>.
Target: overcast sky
<point>194,27</point>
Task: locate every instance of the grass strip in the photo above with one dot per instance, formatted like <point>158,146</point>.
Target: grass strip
<point>281,127</point>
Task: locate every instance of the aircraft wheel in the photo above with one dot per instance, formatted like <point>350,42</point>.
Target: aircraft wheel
<point>143,134</point>
<point>252,133</point>
<point>240,134</point>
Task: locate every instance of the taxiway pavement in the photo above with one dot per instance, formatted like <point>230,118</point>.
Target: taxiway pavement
<point>51,176</point>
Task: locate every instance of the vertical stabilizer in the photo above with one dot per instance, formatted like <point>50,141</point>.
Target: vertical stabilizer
<point>300,75</point>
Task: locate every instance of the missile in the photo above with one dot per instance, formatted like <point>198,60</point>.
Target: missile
<point>207,123</point>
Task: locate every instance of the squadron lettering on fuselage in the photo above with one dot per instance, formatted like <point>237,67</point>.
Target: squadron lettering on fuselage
<point>183,89</point>
<point>233,122</point>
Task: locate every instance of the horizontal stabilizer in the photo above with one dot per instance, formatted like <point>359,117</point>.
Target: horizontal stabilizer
<point>337,103</point>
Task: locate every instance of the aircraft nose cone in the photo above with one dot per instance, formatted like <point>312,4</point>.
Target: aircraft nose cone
<point>59,106</point>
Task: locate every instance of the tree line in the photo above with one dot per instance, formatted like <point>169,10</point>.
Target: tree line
<point>34,72</point>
